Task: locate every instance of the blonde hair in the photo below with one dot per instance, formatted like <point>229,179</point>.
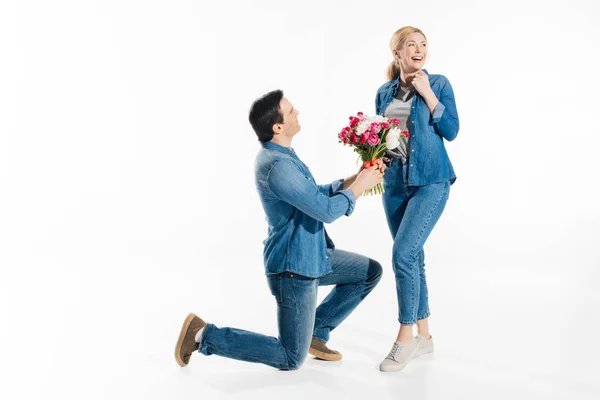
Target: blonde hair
<point>398,39</point>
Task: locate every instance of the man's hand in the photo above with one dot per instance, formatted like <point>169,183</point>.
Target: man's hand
<point>380,164</point>
<point>366,179</point>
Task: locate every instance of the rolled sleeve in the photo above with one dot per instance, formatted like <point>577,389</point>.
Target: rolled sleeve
<point>288,183</point>
<point>336,186</point>
<point>438,111</point>
<point>351,199</point>
<point>332,188</point>
<point>445,115</point>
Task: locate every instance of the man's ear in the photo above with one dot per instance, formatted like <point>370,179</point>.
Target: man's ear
<point>277,128</point>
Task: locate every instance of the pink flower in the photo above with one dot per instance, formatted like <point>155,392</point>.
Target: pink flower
<point>385,125</point>
<point>342,137</point>
<point>376,127</point>
<point>395,121</point>
<point>405,133</point>
<point>353,138</point>
<point>360,113</point>
<point>363,138</point>
<point>373,139</point>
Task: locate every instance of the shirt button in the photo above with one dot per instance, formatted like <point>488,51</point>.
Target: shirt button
<point>413,150</point>
<point>412,165</point>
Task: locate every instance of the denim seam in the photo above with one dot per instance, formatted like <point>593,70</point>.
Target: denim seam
<point>437,203</point>
<point>338,306</point>
<point>344,274</point>
<point>296,322</point>
<point>423,277</point>
<point>280,284</point>
<point>426,315</point>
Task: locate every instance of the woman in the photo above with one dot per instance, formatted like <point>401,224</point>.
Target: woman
<point>417,181</point>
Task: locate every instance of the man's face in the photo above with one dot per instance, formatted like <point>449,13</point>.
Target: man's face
<point>290,125</point>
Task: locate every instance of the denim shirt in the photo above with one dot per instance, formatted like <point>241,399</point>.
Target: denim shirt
<point>296,208</point>
<point>428,159</point>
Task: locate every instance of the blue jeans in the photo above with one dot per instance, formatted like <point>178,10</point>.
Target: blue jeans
<point>299,320</point>
<point>412,212</point>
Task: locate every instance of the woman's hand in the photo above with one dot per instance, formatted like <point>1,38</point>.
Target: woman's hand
<point>421,83</point>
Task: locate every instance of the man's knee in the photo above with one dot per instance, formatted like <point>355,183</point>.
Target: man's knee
<point>375,271</point>
<point>294,363</point>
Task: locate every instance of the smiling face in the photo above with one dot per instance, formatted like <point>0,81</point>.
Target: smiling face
<point>413,53</point>
<point>290,125</point>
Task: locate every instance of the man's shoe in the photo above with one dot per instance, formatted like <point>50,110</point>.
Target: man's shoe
<point>425,345</point>
<point>399,356</point>
<point>320,350</point>
<point>186,344</point>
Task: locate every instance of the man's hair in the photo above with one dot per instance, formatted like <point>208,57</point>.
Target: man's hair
<point>265,113</point>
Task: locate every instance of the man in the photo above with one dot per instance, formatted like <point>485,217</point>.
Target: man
<point>298,254</point>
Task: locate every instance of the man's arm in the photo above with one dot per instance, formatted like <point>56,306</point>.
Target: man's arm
<point>289,184</point>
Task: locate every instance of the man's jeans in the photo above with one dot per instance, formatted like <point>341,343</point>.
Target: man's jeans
<point>298,317</point>
<point>412,212</point>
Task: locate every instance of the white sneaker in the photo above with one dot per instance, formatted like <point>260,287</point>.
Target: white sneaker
<point>425,345</point>
<point>399,356</point>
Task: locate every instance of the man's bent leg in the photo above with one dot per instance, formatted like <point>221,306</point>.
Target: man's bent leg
<point>296,300</point>
<point>355,276</point>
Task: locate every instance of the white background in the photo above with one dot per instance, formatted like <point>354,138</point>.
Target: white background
<point>127,194</point>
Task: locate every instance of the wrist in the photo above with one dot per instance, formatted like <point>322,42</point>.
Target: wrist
<point>429,96</point>
<point>356,189</point>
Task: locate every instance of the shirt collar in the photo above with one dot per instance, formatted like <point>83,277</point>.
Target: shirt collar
<point>396,81</point>
<point>278,147</point>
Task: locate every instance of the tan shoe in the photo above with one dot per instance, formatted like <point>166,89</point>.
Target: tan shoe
<point>186,344</point>
<point>320,350</point>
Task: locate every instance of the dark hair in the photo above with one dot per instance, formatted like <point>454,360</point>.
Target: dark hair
<point>265,113</point>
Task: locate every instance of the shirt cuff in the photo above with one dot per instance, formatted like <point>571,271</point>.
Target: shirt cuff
<point>438,111</point>
<point>351,200</point>
<point>336,186</point>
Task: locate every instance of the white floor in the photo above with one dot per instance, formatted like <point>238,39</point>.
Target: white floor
<point>499,334</point>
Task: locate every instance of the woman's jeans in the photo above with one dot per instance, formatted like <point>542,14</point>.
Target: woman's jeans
<point>299,319</point>
<point>411,212</point>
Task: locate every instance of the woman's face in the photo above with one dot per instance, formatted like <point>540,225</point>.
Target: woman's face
<point>413,54</point>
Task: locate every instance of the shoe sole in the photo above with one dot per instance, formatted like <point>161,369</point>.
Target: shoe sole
<point>396,367</point>
<point>324,356</point>
<point>184,329</point>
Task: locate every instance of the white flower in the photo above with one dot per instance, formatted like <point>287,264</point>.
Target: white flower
<point>367,121</point>
<point>377,118</point>
<point>392,140</point>
<point>363,126</point>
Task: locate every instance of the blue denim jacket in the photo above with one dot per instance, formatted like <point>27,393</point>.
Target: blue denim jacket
<point>296,208</point>
<point>428,159</point>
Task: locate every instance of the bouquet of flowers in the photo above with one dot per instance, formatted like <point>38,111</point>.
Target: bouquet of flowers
<point>371,137</point>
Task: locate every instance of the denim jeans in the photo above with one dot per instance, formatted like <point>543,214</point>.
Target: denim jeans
<point>412,212</point>
<point>299,320</point>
